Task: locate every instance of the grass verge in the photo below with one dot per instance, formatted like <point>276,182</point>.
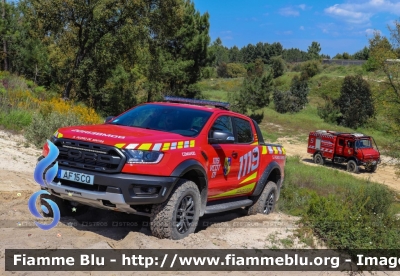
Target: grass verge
<point>345,212</point>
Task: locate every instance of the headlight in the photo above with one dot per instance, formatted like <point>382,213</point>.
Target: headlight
<point>143,156</point>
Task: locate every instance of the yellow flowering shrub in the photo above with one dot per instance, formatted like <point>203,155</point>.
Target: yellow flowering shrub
<point>85,114</point>
<point>25,100</point>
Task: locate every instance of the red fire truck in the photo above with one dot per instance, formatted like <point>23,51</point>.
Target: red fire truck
<point>355,149</point>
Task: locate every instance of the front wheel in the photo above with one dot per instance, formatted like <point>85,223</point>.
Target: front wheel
<point>352,166</point>
<point>177,217</point>
<point>265,203</point>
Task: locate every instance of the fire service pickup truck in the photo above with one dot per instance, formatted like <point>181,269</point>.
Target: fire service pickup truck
<point>355,149</point>
<point>173,161</point>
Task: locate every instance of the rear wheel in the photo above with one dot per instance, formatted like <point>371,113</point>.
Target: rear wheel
<point>318,159</point>
<point>265,203</point>
<point>352,166</point>
<point>177,217</point>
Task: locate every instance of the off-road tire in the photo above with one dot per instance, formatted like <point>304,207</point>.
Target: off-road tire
<point>65,207</point>
<point>167,218</point>
<point>371,168</point>
<point>318,159</point>
<point>266,201</point>
<point>352,167</point>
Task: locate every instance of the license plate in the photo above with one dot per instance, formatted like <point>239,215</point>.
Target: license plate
<point>76,177</point>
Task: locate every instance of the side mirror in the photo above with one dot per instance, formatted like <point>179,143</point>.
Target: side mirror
<point>221,137</point>
<point>109,118</point>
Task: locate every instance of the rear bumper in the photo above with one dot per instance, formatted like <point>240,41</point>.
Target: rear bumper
<point>119,191</point>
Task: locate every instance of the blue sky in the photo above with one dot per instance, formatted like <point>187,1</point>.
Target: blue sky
<point>339,26</point>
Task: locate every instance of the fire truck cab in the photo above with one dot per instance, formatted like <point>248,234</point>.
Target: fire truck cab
<point>355,149</point>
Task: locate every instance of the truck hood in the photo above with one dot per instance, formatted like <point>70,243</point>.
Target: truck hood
<point>115,135</point>
<point>369,153</point>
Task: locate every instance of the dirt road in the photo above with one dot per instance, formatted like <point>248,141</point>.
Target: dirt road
<point>232,230</point>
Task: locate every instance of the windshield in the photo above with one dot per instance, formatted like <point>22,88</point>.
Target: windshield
<point>180,120</point>
<point>363,143</point>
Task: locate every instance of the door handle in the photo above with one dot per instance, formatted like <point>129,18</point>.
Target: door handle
<point>234,154</point>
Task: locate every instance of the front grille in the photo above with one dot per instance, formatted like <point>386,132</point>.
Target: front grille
<point>89,156</point>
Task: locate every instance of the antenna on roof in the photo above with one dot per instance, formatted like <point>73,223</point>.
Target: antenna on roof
<point>222,105</point>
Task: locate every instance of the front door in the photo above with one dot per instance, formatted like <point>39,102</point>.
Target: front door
<point>232,166</point>
<point>348,148</point>
<point>340,146</point>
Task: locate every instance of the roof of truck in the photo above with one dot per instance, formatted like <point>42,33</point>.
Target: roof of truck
<point>336,133</point>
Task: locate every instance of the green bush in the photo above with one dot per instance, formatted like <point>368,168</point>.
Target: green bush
<point>15,119</point>
<point>296,67</point>
<point>235,70</point>
<point>208,73</point>
<point>355,102</point>
<point>222,70</point>
<point>329,112</point>
<point>294,100</point>
<point>278,66</point>
<point>310,68</point>
<point>42,127</point>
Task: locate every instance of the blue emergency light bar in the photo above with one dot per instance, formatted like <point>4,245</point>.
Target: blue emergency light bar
<point>223,105</point>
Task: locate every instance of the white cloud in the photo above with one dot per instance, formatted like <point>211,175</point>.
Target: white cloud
<point>348,15</point>
<point>302,6</point>
<point>370,32</point>
<point>301,28</point>
<point>361,12</point>
<point>293,10</point>
<point>289,11</point>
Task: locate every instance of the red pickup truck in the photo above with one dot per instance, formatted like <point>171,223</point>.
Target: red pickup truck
<point>172,161</point>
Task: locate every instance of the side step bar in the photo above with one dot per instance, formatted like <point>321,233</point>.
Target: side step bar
<point>227,206</point>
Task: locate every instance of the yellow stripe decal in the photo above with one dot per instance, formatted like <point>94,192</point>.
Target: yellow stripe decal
<point>60,135</point>
<point>192,143</point>
<point>241,190</point>
<point>119,145</point>
<point>251,177</point>
<point>255,143</point>
<point>264,150</point>
<point>145,146</point>
<point>283,150</point>
<point>180,145</point>
<point>166,146</point>
<point>275,150</point>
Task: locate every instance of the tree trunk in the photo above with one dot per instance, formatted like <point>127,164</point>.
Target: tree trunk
<point>4,39</point>
<point>67,89</point>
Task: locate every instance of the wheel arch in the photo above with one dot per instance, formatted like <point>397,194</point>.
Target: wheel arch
<point>271,173</point>
<point>194,171</point>
<point>353,158</point>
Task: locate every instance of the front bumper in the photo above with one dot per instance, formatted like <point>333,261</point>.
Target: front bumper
<point>118,192</point>
<point>370,162</point>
